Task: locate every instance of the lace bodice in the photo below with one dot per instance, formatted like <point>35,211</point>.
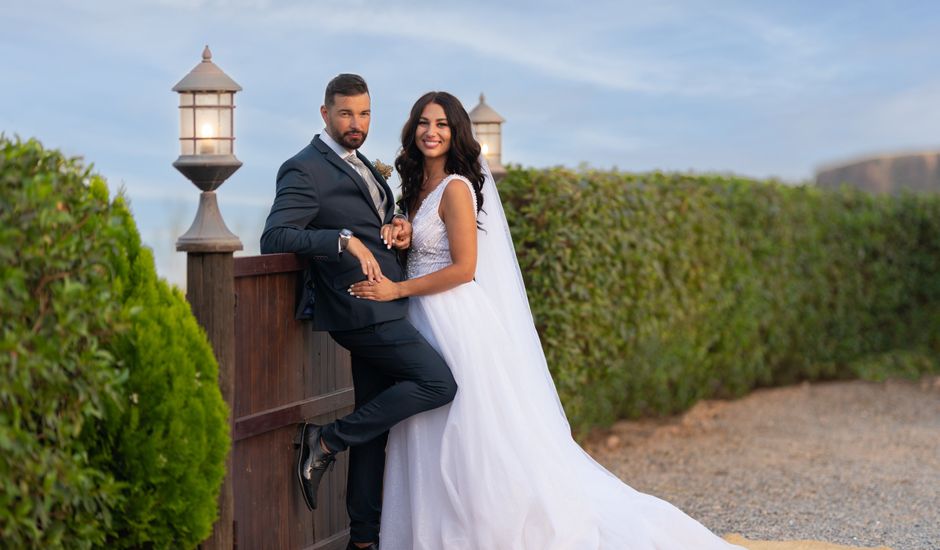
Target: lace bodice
<point>430,249</point>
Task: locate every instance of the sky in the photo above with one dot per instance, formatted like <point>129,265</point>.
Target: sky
<point>761,89</point>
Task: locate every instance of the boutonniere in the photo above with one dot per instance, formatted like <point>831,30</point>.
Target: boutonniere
<point>382,168</point>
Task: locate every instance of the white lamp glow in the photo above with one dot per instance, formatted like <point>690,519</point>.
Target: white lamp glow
<point>206,146</point>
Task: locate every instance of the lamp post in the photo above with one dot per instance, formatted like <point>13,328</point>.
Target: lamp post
<point>207,134</point>
<point>487,127</point>
<point>206,157</point>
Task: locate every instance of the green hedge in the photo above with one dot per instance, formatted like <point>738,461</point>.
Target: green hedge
<point>652,291</point>
<point>113,432</point>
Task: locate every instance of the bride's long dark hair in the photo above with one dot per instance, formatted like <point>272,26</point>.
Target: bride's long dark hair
<point>463,157</point>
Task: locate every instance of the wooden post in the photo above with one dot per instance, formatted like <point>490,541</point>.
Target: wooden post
<point>210,289</point>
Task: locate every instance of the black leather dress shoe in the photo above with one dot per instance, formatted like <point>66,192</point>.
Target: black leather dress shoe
<point>352,546</point>
<point>312,462</point>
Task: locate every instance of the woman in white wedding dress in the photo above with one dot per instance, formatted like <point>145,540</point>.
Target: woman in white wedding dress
<point>497,468</point>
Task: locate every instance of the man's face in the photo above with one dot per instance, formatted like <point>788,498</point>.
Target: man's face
<point>347,120</point>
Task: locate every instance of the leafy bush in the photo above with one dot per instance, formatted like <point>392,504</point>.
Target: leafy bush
<point>57,373</point>
<point>113,431</point>
<point>652,291</point>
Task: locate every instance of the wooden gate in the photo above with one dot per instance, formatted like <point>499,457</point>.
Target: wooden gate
<point>284,373</point>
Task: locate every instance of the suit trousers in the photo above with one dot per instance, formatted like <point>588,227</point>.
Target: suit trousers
<point>396,374</point>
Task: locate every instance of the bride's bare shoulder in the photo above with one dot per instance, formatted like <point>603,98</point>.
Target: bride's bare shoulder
<point>457,196</point>
<point>459,189</point>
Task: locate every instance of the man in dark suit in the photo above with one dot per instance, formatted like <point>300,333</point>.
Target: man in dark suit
<point>333,208</point>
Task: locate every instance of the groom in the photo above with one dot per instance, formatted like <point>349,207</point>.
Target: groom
<point>336,211</point>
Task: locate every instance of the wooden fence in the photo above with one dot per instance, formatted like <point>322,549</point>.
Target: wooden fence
<point>284,373</point>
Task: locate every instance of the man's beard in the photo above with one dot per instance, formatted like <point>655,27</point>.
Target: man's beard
<point>351,140</point>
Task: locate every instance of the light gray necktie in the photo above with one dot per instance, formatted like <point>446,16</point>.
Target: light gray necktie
<point>375,191</point>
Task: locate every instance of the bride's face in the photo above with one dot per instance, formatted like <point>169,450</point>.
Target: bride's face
<point>433,133</point>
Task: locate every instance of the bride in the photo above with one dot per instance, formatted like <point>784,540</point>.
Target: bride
<point>497,468</point>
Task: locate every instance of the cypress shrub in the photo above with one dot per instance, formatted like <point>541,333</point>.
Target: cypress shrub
<point>113,431</point>
<point>652,291</point>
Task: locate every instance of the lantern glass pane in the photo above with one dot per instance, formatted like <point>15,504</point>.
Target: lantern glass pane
<point>225,98</point>
<point>225,123</point>
<point>225,147</point>
<point>186,122</point>
<point>207,128</point>
<point>186,99</point>
<point>187,147</point>
<point>207,123</point>
<point>207,98</point>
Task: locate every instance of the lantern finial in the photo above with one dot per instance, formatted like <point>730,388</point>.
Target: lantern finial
<point>206,55</point>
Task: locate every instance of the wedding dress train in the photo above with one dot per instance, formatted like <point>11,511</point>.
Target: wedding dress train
<point>497,468</point>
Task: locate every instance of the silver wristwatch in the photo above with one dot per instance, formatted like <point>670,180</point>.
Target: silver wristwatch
<point>344,236</point>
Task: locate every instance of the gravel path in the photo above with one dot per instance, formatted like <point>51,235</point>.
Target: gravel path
<point>852,463</point>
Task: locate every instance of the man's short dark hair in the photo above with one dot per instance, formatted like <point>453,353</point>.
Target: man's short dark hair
<point>344,84</point>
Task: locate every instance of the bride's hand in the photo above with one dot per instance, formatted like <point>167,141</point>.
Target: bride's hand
<point>385,290</point>
<point>398,233</point>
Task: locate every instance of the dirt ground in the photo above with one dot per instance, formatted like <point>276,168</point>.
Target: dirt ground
<point>848,463</point>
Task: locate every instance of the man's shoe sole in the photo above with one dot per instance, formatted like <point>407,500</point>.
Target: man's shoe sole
<point>301,445</point>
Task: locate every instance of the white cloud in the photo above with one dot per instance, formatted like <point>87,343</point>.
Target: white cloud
<point>569,46</point>
<point>598,44</point>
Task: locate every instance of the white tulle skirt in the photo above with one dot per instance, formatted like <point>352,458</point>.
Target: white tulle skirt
<point>497,468</point>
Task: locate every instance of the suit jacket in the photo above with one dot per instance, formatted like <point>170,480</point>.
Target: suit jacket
<point>318,193</point>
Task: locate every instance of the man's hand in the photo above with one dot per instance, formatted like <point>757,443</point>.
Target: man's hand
<point>397,234</point>
<point>370,266</point>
